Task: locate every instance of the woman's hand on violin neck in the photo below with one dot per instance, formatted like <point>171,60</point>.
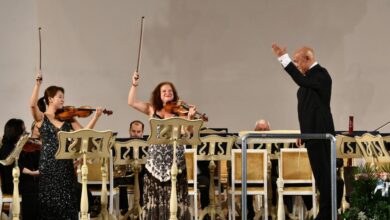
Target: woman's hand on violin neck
<point>191,112</point>
<point>135,79</point>
<point>98,112</point>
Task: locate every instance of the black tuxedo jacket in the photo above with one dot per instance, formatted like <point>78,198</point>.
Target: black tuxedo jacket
<point>314,94</point>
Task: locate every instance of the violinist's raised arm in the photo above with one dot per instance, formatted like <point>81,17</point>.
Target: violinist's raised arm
<point>36,113</point>
<point>134,102</point>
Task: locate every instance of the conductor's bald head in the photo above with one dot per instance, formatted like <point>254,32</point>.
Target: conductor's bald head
<point>303,59</point>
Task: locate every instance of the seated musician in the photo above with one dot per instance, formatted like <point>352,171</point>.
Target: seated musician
<point>28,164</point>
<point>13,130</point>
<point>136,129</point>
<point>262,125</point>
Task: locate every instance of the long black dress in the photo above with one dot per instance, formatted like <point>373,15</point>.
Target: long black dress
<point>29,158</point>
<point>157,183</point>
<point>57,179</point>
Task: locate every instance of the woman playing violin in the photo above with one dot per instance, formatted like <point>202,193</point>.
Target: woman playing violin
<point>157,187</point>
<point>57,180</point>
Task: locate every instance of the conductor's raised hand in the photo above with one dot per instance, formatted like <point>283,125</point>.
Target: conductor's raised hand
<point>278,50</point>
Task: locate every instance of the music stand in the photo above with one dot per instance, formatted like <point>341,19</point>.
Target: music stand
<point>174,131</point>
<point>14,157</point>
<point>131,156</point>
<point>214,148</point>
<point>90,144</point>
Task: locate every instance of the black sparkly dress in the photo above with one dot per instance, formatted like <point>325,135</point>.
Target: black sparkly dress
<point>57,179</point>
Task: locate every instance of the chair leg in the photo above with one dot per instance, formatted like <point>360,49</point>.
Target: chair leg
<point>196,206</point>
<point>314,209</point>
<point>192,206</point>
<point>258,207</point>
<point>229,207</point>
<point>10,212</point>
<point>233,207</point>
<point>281,213</point>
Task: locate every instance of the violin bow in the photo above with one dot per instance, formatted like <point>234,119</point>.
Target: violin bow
<point>40,49</point>
<point>40,53</point>
<point>140,43</point>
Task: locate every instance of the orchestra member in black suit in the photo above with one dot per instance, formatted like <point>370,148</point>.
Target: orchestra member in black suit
<point>314,114</point>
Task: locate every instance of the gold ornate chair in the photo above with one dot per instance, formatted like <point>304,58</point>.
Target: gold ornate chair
<point>192,171</point>
<point>15,199</point>
<point>294,168</point>
<point>273,147</point>
<point>257,163</point>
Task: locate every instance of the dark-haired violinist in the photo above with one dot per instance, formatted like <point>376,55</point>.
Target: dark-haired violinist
<point>57,195</point>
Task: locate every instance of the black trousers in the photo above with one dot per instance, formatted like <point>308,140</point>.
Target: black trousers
<point>319,156</point>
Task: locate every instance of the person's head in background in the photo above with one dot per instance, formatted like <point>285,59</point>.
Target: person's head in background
<point>262,125</point>
<point>13,129</point>
<point>136,129</point>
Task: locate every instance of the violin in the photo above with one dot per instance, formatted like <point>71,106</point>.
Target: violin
<point>32,145</point>
<point>69,112</point>
<point>181,108</point>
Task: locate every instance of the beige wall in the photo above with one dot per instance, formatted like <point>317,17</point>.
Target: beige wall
<point>216,52</point>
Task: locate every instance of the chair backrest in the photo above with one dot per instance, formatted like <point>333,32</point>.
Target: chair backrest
<point>256,166</point>
<point>94,171</point>
<point>373,148</point>
<point>212,131</point>
<point>294,166</point>
<point>190,157</point>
